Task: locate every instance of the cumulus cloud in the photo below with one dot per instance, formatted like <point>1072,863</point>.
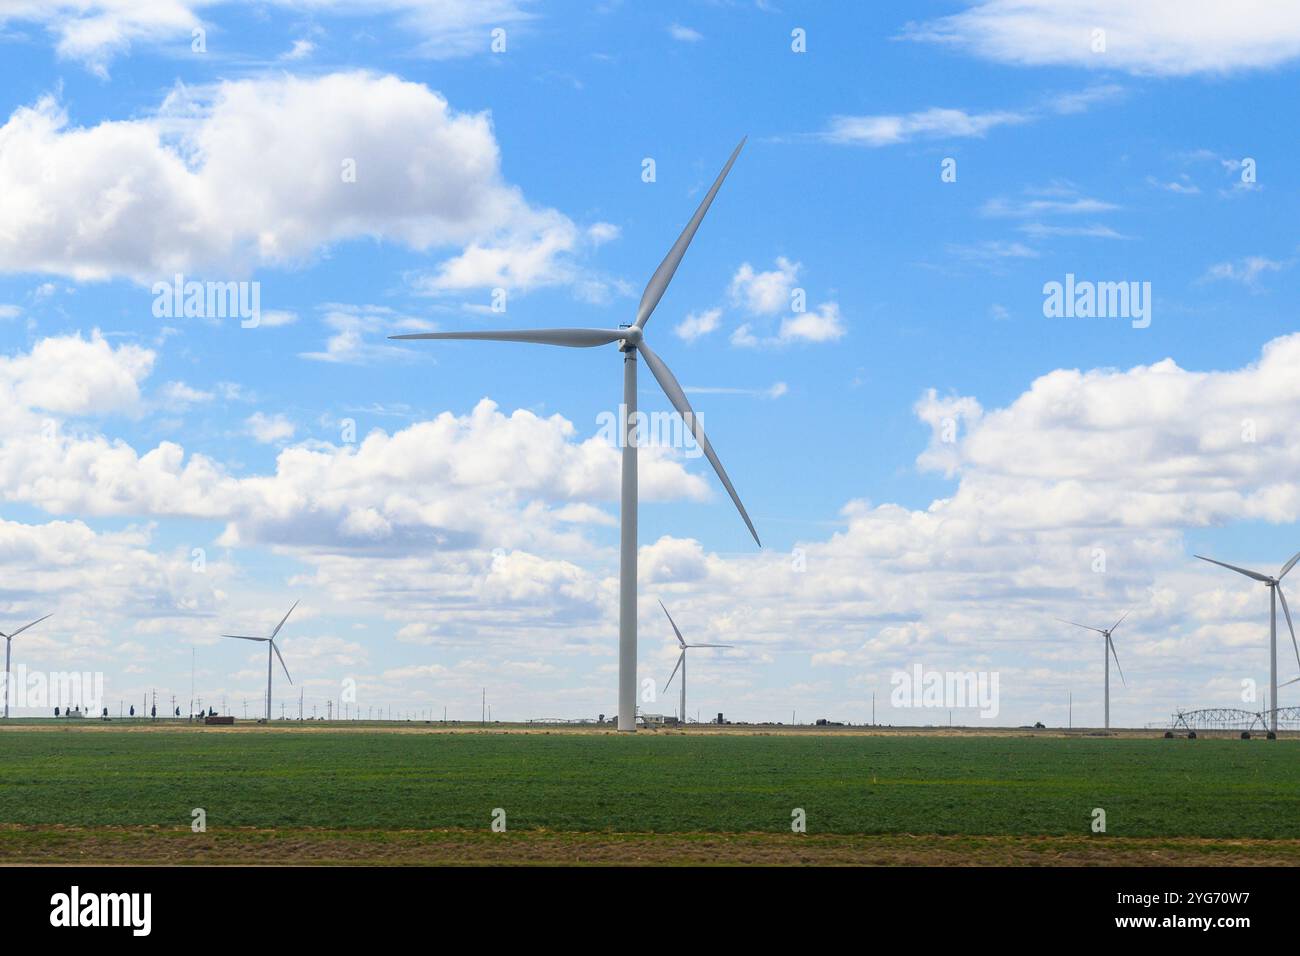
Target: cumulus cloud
<point>471,530</point>
<point>74,376</point>
<point>697,324</point>
<point>764,293</point>
<point>822,324</point>
<point>269,171</point>
<point>269,429</point>
<point>453,482</point>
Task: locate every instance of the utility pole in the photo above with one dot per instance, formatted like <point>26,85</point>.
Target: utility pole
<point>329,709</point>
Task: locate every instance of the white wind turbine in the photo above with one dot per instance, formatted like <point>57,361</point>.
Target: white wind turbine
<point>9,644</point>
<point>271,648</point>
<point>1274,585</point>
<point>681,659</point>
<point>631,340</point>
<point>1107,653</point>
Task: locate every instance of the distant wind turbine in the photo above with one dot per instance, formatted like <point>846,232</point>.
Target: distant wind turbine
<point>1274,585</point>
<point>631,340</point>
<point>9,644</point>
<point>681,659</point>
<point>271,648</point>
<point>1107,653</point>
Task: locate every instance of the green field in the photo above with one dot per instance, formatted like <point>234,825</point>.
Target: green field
<point>874,784</point>
<point>846,784</point>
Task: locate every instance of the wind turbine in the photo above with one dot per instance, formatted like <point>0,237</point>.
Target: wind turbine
<point>9,644</point>
<point>1106,654</point>
<point>681,659</point>
<point>631,340</point>
<point>271,642</point>
<point>1274,586</point>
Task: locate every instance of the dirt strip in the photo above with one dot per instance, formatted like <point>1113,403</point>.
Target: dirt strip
<point>29,845</point>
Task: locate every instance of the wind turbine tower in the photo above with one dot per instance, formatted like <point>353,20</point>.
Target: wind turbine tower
<point>1107,652</point>
<point>631,342</point>
<point>271,648</point>
<point>1274,585</point>
<point>9,644</point>
<point>681,661</point>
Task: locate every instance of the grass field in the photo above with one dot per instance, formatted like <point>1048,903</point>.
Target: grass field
<point>336,795</point>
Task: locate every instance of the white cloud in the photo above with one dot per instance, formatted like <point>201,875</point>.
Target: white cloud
<point>1161,37</point>
<point>1000,207</point>
<point>765,293</point>
<point>271,318</point>
<point>257,171</point>
<point>180,395</point>
<point>74,376</point>
<point>300,50</point>
<point>472,529</point>
<point>450,483</point>
<point>358,331</point>
<point>991,250</point>
<point>95,31</point>
<point>9,311</point>
<point>685,34</point>
<point>934,123</point>
<point>1247,270</point>
<point>697,324</point>
<point>822,324</point>
<point>1038,230</point>
<point>269,429</point>
<point>890,129</point>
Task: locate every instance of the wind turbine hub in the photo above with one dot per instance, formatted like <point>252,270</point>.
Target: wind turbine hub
<point>633,338</point>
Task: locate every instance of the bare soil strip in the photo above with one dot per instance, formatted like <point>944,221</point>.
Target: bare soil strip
<point>109,846</point>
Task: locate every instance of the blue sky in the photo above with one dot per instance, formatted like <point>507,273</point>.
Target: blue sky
<point>436,555</point>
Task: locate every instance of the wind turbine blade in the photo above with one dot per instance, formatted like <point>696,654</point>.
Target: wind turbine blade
<point>1111,645</point>
<point>1291,681</point>
<point>1232,567</point>
<point>1087,627</point>
<point>282,620</point>
<point>668,382</point>
<point>654,290</point>
<point>573,338</point>
<point>674,624</point>
<point>26,626</point>
<point>1288,566</point>
<point>245,637</point>
<point>1287,611</point>
<point>710,645</point>
<point>277,654</point>
<point>1121,620</point>
<point>680,657</point>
